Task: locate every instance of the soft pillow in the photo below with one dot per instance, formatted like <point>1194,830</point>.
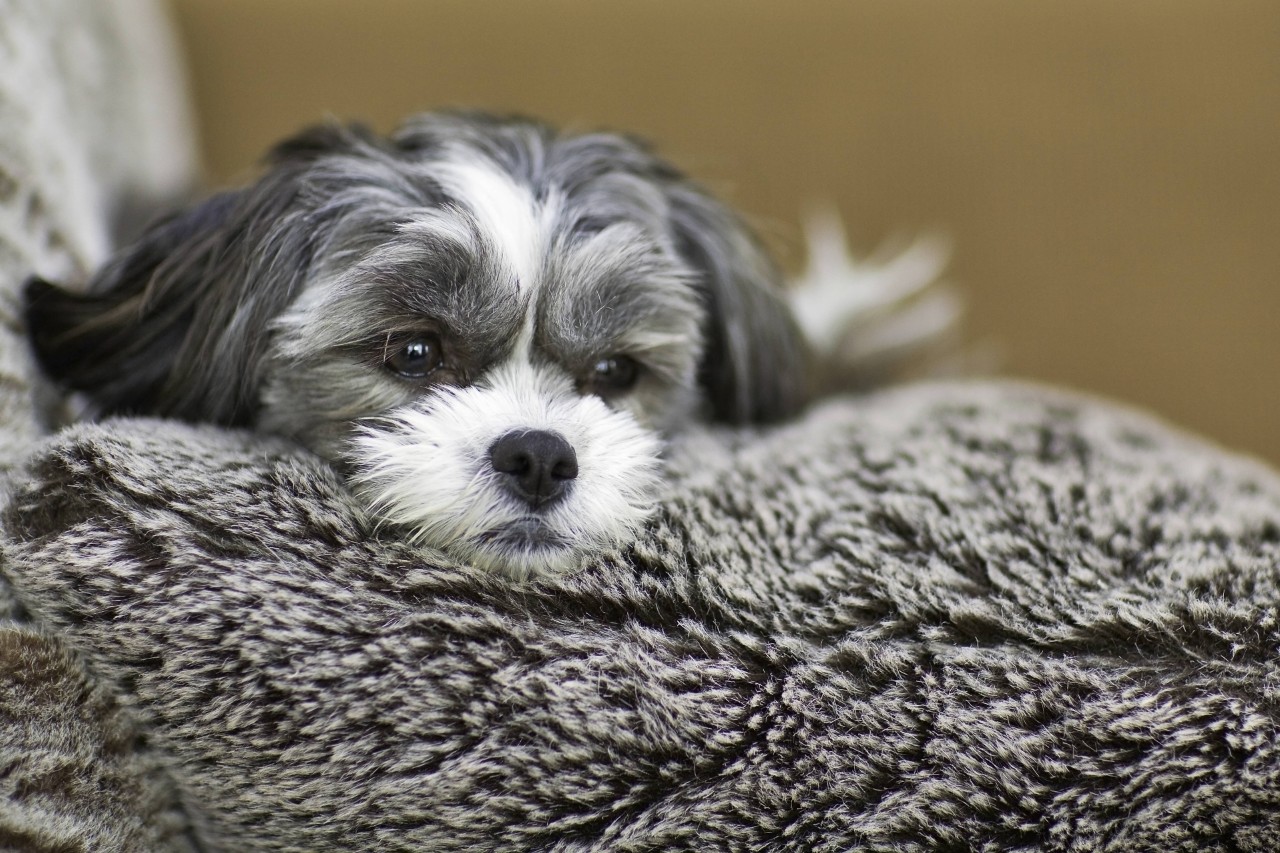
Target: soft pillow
<point>964,616</point>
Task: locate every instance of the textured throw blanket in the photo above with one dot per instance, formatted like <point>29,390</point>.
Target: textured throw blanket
<point>946,617</point>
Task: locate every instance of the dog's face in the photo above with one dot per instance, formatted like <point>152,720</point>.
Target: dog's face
<point>487,326</point>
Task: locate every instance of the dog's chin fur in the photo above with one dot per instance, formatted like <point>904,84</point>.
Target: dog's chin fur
<point>527,258</point>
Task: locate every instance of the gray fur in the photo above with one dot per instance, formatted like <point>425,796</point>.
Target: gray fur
<point>76,770</point>
<point>949,617</point>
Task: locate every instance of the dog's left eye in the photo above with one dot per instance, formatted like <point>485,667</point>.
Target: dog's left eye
<point>415,357</point>
<point>613,374</point>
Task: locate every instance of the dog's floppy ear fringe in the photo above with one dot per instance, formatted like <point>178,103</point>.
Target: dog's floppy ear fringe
<point>176,324</point>
<point>121,341</point>
<point>755,362</point>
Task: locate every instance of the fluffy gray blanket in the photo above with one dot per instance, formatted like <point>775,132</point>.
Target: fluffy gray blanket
<point>946,617</point>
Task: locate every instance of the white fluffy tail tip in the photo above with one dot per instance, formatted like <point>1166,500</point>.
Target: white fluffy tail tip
<point>886,316</point>
<point>838,292</point>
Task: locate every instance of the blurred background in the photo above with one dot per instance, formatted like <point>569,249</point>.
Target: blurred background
<point>1108,170</point>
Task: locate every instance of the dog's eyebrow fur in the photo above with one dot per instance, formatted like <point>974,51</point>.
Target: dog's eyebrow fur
<point>619,292</point>
<point>429,279</point>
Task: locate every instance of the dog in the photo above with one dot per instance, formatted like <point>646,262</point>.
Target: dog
<point>488,326</point>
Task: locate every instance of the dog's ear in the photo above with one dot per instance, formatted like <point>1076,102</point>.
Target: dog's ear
<point>168,325</point>
<point>754,365</point>
<point>177,323</point>
<point>120,341</point>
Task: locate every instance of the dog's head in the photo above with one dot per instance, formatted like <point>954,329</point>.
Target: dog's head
<point>485,324</point>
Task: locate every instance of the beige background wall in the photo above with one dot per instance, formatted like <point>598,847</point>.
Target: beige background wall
<point>1109,170</point>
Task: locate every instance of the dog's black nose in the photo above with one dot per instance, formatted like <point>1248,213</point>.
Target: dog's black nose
<point>538,465</point>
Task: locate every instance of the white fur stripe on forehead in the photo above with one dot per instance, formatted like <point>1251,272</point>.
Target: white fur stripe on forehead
<point>505,210</point>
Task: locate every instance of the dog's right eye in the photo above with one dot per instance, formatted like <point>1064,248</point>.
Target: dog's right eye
<point>414,357</point>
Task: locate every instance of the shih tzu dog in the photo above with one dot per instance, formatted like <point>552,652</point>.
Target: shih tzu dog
<point>487,326</point>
